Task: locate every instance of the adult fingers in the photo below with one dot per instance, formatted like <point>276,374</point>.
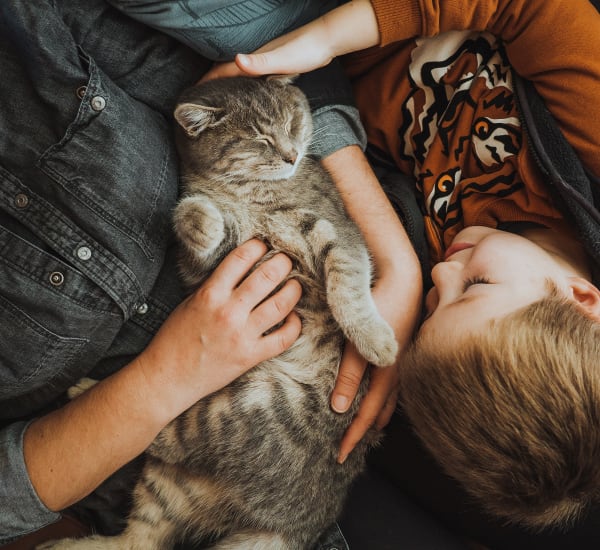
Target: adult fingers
<point>350,375</point>
<point>237,264</point>
<point>280,339</point>
<point>277,307</point>
<point>263,280</point>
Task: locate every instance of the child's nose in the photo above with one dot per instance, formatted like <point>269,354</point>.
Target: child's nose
<point>447,276</point>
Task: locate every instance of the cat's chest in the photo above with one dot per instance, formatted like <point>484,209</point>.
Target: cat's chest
<point>285,228</point>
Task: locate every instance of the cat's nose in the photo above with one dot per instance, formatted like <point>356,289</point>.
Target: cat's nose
<point>290,156</point>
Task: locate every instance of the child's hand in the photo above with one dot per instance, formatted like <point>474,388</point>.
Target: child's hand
<point>350,27</point>
<point>379,403</point>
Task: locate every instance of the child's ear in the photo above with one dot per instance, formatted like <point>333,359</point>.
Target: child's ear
<point>586,295</point>
<point>195,118</point>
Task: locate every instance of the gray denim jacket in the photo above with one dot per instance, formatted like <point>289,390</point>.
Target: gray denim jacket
<point>88,179</point>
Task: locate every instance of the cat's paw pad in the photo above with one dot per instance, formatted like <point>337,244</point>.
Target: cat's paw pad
<point>378,344</point>
<point>82,385</point>
<point>199,224</point>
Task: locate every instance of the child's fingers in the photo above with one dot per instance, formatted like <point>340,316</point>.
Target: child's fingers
<point>289,58</point>
<point>222,70</point>
<point>350,375</point>
<point>378,403</point>
<point>258,64</point>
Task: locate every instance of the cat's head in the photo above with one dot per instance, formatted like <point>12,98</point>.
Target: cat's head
<point>240,128</point>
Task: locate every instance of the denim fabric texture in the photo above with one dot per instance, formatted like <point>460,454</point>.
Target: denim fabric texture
<point>88,179</point>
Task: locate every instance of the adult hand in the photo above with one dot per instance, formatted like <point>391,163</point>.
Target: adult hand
<point>215,335</point>
<point>218,333</point>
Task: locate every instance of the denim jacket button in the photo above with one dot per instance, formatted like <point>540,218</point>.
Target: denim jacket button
<point>84,253</point>
<point>143,309</point>
<point>98,103</point>
<point>56,278</point>
<point>80,92</point>
<point>21,200</point>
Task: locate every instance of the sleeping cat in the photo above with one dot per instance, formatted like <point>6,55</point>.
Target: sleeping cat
<point>254,465</point>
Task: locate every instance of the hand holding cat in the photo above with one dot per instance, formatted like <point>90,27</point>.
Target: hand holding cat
<point>348,28</point>
<point>217,334</point>
<point>378,405</point>
<point>210,339</point>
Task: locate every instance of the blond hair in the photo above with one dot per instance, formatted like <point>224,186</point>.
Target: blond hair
<point>513,413</point>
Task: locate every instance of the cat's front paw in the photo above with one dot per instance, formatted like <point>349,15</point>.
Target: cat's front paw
<point>377,344</point>
<point>199,224</point>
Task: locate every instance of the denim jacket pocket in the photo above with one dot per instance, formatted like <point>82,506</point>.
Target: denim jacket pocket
<point>132,189</point>
<point>55,323</point>
<point>34,351</point>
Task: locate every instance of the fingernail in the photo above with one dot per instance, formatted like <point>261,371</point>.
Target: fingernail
<point>339,403</point>
<point>243,59</point>
<point>342,458</point>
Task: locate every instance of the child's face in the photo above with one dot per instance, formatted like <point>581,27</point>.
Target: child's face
<point>486,275</point>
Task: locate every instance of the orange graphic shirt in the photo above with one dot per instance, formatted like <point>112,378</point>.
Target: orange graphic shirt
<point>443,108</point>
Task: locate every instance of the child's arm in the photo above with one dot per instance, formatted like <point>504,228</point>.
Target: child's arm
<point>346,29</point>
<point>397,291</point>
<point>349,28</point>
<point>554,43</point>
<point>398,288</point>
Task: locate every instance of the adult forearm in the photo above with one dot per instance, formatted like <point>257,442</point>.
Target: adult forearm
<point>211,338</point>
<point>69,452</point>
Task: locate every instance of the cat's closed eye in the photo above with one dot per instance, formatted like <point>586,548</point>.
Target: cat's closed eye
<point>266,141</point>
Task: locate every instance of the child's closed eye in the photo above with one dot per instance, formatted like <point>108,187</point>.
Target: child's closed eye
<point>475,281</point>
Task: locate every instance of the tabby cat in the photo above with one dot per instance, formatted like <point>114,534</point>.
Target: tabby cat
<point>254,465</point>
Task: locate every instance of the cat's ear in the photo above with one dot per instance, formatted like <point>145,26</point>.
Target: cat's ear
<point>283,79</point>
<point>195,118</point>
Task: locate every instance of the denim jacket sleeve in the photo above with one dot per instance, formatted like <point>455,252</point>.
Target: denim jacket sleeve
<point>30,513</point>
<point>220,29</point>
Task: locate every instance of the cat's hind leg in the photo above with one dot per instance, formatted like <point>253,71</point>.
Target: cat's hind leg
<point>148,529</point>
<point>81,386</point>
